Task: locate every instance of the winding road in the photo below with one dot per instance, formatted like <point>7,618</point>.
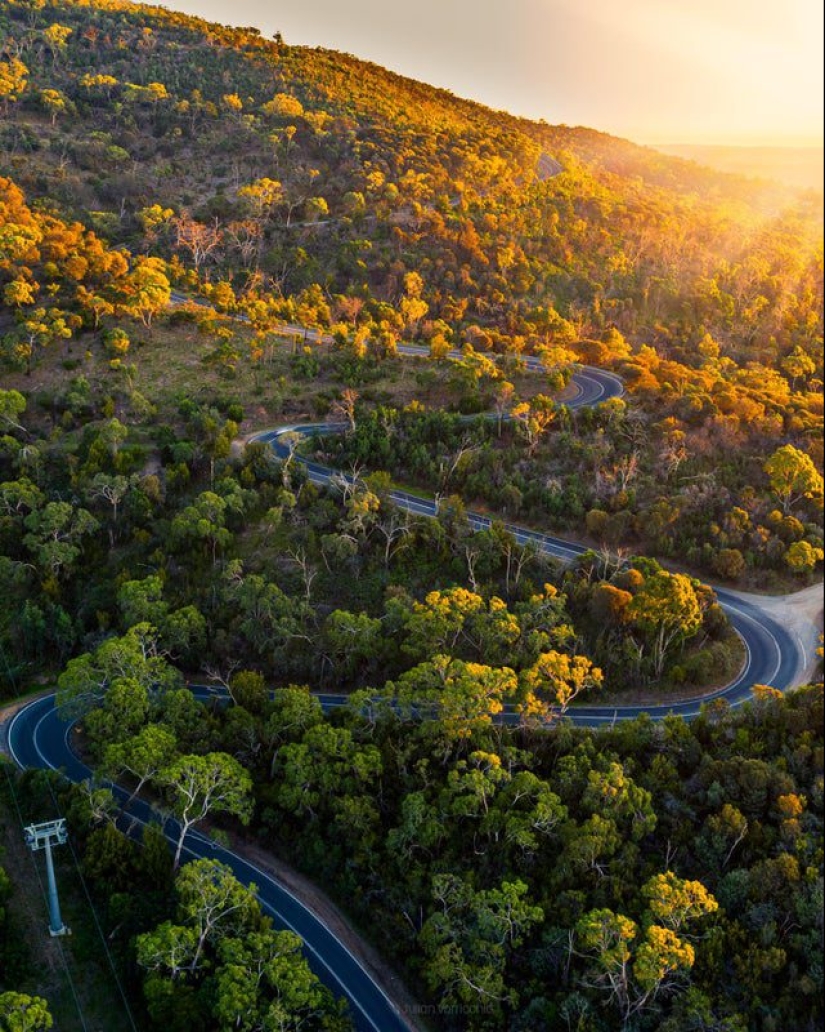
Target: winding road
<point>37,738</point>
<point>773,655</point>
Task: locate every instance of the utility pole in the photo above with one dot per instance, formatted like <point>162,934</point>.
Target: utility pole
<point>43,836</point>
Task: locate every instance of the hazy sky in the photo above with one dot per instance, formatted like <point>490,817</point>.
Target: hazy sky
<point>656,71</point>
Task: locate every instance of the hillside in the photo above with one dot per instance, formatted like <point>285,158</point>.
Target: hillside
<point>310,187</point>
<point>379,176</point>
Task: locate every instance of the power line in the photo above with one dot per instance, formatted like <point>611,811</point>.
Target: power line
<point>43,892</point>
<point>109,956</point>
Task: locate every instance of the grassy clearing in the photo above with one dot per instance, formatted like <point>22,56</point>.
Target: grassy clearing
<point>175,360</point>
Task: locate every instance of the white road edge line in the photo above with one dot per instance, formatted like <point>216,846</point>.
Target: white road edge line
<point>269,878</point>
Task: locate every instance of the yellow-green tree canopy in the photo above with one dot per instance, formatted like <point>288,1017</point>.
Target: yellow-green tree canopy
<point>284,105</point>
<point>54,102</point>
<point>666,610</point>
<point>793,476</point>
<point>554,680</point>
<point>13,79</point>
<point>20,1012</point>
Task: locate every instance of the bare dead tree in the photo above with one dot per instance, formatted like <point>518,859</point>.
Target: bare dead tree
<point>465,448</point>
<point>345,406</point>
<point>472,553</point>
<point>199,240</point>
<point>394,528</point>
<point>308,572</point>
<point>219,680</point>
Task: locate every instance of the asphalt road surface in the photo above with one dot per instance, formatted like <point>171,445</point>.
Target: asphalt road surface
<point>39,739</point>
<point>772,654</point>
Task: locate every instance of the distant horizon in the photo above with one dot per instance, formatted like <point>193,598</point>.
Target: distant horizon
<point>797,166</point>
<point>741,73</point>
<point>709,144</point>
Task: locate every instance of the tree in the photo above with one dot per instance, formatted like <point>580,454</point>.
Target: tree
<point>315,209</point>
<point>13,79</point>
<point>554,680</point>
<point>534,418</point>
<point>92,81</point>
<point>437,625</point>
<point>42,327</point>
<point>95,304</point>
<point>142,756</point>
<point>460,698</point>
<point>608,604</point>
<point>557,361</point>
<point>523,815</point>
<point>248,690</point>
<point>204,520</point>
<point>268,619</point>
<point>633,977</point>
<point>635,968</point>
<point>141,601</point>
<point>612,794</point>
<point>607,937</point>
<point>467,939</point>
<point>292,711</point>
<point>56,37</point>
<point>22,1013</point>
<point>135,656</point>
<point>199,240</point>
<point>20,292</point>
<point>123,711</point>
<point>802,556</point>
<point>54,102</point>
<point>793,476</point>
<point>327,765</point>
<point>55,533</point>
<point>674,901</point>
<point>112,490</point>
<point>169,947</point>
<point>12,405</point>
<point>350,641</point>
<point>200,785</point>
<point>661,954</point>
<point>346,405</point>
<point>152,93</point>
<point>147,290</point>
<point>264,982</point>
<point>255,979</point>
<point>212,902</point>
<point>589,845</point>
<point>666,610</point>
<point>283,105</point>
<point>394,526</point>
<point>413,308</point>
<point>183,634</point>
<point>264,195</point>
<point>116,341</point>
<point>154,218</point>
<point>19,496</point>
<point>729,563</point>
<point>459,623</point>
<point>798,365</point>
<point>502,399</point>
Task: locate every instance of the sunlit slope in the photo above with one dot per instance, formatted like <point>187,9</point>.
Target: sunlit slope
<point>515,227</point>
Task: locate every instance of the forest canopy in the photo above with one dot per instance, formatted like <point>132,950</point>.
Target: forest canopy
<point>205,233</point>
